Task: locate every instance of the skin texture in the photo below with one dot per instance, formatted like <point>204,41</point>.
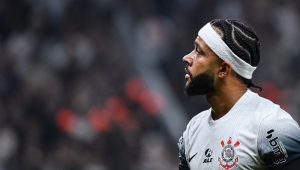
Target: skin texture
<point>228,89</point>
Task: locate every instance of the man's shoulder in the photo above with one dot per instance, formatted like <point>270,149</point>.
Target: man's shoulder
<point>197,119</point>
<point>270,113</point>
<point>260,105</point>
<point>278,140</point>
<point>201,115</point>
<point>279,117</point>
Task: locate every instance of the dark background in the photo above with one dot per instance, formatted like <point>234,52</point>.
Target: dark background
<point>98,84</point>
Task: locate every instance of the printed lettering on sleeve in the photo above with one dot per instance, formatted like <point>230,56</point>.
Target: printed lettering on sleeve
<point>277,147</point>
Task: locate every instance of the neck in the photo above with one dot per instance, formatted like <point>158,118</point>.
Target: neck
<point>223,100</point>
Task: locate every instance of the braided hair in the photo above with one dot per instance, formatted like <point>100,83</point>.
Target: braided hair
<point>242,40</point>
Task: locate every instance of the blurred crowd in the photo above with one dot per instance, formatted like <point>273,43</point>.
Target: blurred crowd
<point>72,97</point>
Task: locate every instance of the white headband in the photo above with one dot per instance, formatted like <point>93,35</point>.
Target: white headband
<point>218,46</point>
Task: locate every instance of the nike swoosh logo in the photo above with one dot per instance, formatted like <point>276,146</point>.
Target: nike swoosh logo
<point>192,157</point>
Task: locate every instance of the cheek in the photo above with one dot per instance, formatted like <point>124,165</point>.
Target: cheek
<point>200,66</point>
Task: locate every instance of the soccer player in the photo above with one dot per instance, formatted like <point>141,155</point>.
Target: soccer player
<point>241,130</point>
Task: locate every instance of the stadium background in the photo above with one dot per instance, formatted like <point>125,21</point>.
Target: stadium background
<point>98,84</point>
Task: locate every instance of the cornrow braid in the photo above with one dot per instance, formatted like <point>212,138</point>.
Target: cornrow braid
<point>242,40</point>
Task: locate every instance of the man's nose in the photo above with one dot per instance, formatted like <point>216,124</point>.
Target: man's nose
<point>188,59</point>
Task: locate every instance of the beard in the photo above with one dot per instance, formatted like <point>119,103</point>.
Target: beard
<point>201,84</point>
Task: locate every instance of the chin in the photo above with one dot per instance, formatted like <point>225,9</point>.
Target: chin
<point>202,84</point>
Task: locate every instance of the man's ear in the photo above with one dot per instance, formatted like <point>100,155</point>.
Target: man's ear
<point>224,69</point>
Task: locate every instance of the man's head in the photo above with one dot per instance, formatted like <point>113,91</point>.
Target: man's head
<point>232,55</point>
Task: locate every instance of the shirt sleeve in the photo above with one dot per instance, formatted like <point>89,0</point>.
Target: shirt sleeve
<point>183,165</point>
<point>278,141</point>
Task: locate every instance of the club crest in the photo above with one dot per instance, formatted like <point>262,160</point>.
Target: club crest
<point>228,159</point>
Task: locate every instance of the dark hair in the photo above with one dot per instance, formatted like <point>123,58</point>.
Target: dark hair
<point>242,40</point>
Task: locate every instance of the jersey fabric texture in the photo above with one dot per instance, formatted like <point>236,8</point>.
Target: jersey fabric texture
<point>254,134</point>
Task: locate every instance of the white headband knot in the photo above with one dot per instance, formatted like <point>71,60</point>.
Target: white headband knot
<point>218,46</point>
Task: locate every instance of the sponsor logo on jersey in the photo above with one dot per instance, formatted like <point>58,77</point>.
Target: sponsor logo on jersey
<point>229,160</point>
<point>208,154</point>
<point>277,147</point>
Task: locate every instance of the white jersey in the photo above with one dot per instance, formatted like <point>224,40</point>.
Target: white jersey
<point>254,134</point>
